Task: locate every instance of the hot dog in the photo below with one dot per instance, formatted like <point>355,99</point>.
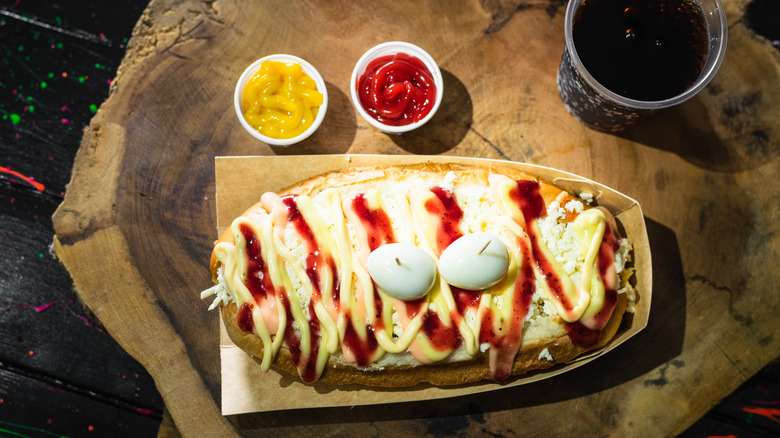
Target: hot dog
<point>296,291</point>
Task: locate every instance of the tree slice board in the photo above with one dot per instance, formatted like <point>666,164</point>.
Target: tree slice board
<point>138,220</point>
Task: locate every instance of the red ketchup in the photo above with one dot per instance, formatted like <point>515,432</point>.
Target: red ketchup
<point>397,89</point>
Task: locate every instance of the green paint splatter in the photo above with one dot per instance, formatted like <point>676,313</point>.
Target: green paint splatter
<point>40,255</point>
<point>82,79</point>
<point>12,433</point>
<point>50,75</point>
<point>23,427</point>
<point>20,48</point>
<point>44,85</point>
<point>93,108</point>
<point>59,45</point>
<point>15,118</point>
<point>31,108</point>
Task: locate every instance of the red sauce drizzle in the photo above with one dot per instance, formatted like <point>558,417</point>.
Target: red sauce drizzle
<point>245,321</point>
<point>363,350</point>
<point>314,257</point>
<point>552,279</point>
<point>450,215</point>
<point>257,279</point>
<point>446,209</point>
<point>582,336</point>
<point>379,231</point>
<point>376,222</point>
<point>529,200</point>
<point>486,330</point>
<point>442,337</point>
<point>413,307</point>
<point>336,281</point>
<point>315,260</point>
<point>259,283</point>
<point>307,365</point>
<point>465,299</point>
<point>609,245</point>
<point>504,346</point>
<point>532,205</point>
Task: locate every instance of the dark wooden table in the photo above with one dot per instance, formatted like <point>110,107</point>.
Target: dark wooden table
<point>61,373</point>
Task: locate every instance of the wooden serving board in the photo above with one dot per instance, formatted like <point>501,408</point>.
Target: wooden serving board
<point>137,224</point>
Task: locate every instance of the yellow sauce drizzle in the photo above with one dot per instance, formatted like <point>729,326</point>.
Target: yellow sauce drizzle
<point>590,226</point>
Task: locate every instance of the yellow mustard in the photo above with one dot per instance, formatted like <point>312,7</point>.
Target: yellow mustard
<point>281,101</point>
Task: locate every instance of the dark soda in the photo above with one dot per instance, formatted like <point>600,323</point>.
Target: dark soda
<point>646,50</point>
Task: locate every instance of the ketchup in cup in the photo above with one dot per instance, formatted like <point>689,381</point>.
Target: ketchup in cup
<point>397,89</point>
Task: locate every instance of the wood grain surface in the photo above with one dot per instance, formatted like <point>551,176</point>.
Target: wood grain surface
<point>137,223</point>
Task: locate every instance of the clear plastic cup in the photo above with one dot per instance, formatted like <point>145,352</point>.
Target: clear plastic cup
<point>600,108</point>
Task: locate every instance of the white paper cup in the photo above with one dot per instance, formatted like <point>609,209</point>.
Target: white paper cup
<point>309,70</point>
<point>391,48</point>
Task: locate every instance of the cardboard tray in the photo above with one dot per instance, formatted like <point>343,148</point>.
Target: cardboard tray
<point>241,181</point>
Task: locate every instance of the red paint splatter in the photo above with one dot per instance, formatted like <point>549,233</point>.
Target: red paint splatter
<point>772,414</point>
<point>40,309</point>
<point>8,238</point>
<point>87,322</point>
<point>34,183</point>
<point>769,403</point>
<point>31,352</point>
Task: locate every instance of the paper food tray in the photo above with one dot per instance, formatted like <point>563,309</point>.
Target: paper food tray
<point>240,181</point>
